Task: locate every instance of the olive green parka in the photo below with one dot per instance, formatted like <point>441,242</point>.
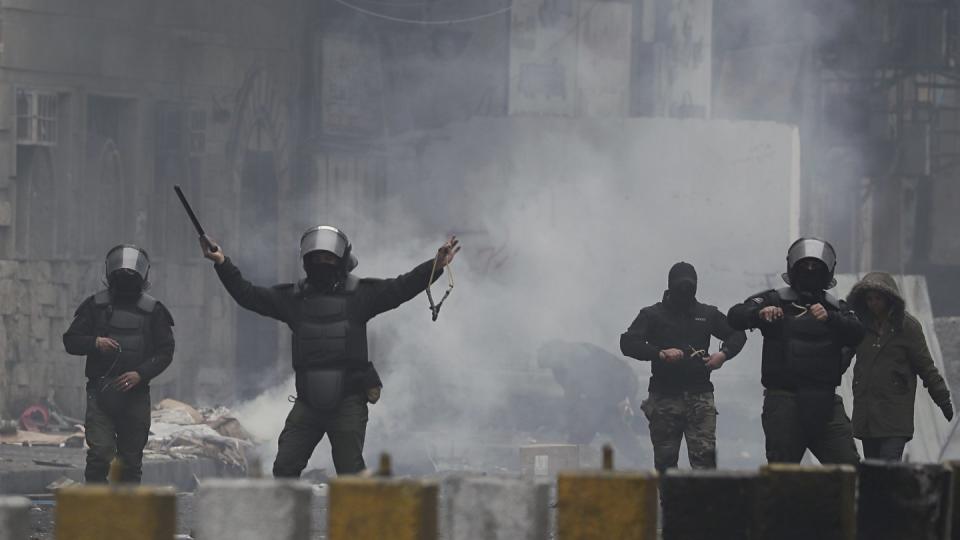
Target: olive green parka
<point>888,364</point>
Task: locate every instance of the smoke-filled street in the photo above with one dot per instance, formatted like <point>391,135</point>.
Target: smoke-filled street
<point>492,260</point>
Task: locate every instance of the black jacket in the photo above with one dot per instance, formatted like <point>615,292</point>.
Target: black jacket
<point>842,325</point>
<point>666,326</point>
<point>372,297</point>
<point>80,339</point>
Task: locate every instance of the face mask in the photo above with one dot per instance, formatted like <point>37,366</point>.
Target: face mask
<point>683,293</point>
<point>126,284</point>
<point>808,282</point>
<point>323,275</point>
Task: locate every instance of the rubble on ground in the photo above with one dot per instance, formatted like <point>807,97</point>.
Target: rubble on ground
<point>177,431</point>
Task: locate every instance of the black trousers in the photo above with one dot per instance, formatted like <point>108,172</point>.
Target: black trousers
<point>122,433</point>
<point>884,448</point>
<point>305,427</point>
<point>787,439</point>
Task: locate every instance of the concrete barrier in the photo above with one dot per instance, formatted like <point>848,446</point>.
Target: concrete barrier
<point>14,518</point>
<point>491,507</point>
<point>547,460</point>
<point>903,500</point>
<point>607,504</point>
<point>253,509</point>
<point>382,508</point>
<point>127,512</point>
<point>703,504</point>
<point>797,502</point>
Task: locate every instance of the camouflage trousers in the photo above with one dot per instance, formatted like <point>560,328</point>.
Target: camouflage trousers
<point>674,416</point>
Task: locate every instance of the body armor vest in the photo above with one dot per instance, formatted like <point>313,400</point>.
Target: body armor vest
<point>128,324</point>
<point>811,352</point>
<point>327,344</point>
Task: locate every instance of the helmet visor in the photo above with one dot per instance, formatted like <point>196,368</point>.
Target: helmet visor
<point>812,248</point>
<point>323,238</point>
<point>128,258</point>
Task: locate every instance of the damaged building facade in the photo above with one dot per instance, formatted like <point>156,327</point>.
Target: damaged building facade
<point>104,106</point>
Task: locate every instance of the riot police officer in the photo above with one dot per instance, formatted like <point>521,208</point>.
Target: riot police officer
<point>328,313</point>
<point>805,331</point>
<point>127,337</point>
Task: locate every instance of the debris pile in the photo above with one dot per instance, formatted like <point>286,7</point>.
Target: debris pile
<point>177,431</point>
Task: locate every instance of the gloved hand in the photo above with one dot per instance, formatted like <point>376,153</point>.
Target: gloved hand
<point>947,409</point>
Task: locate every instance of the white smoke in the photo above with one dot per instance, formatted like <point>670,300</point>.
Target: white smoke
<point>567,235</point>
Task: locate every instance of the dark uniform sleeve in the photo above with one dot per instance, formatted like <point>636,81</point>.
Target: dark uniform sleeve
<point>922,364</point>
<point>161,328</point>
<point>733,340</point>
<point>265,301</point>
<point>81,338</point>
<point>746,315</point>
<point>635,341</point>
<point>386,294</point>
<point>846,326</point>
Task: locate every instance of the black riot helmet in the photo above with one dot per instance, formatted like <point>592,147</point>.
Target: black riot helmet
<point>329,239</point>
<point>127,269</point>
<point>825,262</point>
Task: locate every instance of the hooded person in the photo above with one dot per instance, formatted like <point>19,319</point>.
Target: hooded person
<point>328,312</point>
<point>127,338</point>
<point>888,362</point>
<point>674,335</point>
<point>805,331</point>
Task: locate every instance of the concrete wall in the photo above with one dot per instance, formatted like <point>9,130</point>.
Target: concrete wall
<point>150,94</point>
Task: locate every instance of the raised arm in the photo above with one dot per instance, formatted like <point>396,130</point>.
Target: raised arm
<point>265,301</point>
<point>383,295</point>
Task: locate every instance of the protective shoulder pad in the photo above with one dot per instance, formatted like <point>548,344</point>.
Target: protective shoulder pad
<point>762,296</point>
<point>832,300</point>
<point>299,287</point>
<point>102,298</point>
<point>787,294</point>
<point>351,283</point>
<point>147,303</point>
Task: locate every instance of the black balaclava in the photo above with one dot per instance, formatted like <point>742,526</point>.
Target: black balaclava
<point>324,276</point>
<point>808,282</point>
<point>682,284</point>
<point>125,284</point>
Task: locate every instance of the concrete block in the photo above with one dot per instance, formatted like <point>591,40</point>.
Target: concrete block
<point>14,518</point>
<point>44,293</point>
<point>903,500</point>
<point>494,507</point>
<point>6,213</point>
<point>547,460</point>
<point>595,505</point>
<point>21,294</point>
<point>382,508</point>
<point>40,328</point>
<point>801,502</point>
<point>128,512</point>
<point>8,296</point>
<point>34,271</point>
<point>708,504</point>
<point>8,269</point>
<point>252,509</point>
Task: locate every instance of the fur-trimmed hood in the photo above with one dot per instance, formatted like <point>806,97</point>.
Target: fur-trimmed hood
<point>881,282</point>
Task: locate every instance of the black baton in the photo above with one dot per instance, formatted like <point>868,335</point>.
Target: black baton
<point>193,218</point>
